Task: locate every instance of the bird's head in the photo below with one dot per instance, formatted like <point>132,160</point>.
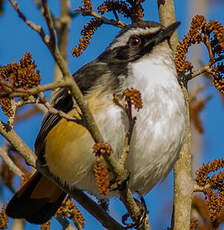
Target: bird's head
<point>137,40</point>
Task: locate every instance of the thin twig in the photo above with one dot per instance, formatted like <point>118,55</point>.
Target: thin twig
<point>117,18</point>
<point>125,194</point>
<point>198,188</point>
<point>125,151</point>
<point>127,139</point>
<point>77,224</point>
<point>30,100</point>
<point>108,21</point>
<point>209,47</point>
<point>12,166</point>
<point>18,144</point>
<point>50,24</point>
<point>64,223</point>
<point>20,92</point>
<point>205,69</point>
<point>39,6</point>
<point>104,19</point>
<point>65,21</point>
<point>33,26</point>
<point>62,28</point>
<point>60,113</point>
<point>117,102</point>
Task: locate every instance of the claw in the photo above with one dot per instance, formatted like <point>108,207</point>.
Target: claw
<point>142,217</point>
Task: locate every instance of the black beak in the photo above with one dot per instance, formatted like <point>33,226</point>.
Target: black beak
<point>167,32</point>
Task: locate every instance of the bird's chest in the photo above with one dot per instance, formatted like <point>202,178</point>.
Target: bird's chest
<point>159,130</point>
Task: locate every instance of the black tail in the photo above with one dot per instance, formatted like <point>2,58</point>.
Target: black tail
<point>37,201</point>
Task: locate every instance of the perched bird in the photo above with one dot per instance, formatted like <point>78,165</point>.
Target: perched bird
<point>140,57</point>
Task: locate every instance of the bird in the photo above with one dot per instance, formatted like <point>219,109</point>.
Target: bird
<point>139,57</point>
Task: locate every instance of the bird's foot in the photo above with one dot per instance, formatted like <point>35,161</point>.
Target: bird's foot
<point>140,222</point>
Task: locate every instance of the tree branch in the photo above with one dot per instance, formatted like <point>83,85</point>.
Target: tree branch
<point>20,92</point>
<point>117,23</point>
<point>183,182</point>
<point>34,27</point>
<point>60,113</point>
<point>104,19</point>
<point>50,24</point>
<point>18,144</point>
<point>205,69</point>
<point>62,28</point>
<point>12,166</point>
<point>65,21</point>
<point>87,203</point>
<point>167,17</point>
<point>18,224</point>
<point>65,223</point>
<point>198,188</point>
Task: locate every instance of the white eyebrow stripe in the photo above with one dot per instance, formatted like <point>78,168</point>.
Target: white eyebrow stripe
<point>123,39</point>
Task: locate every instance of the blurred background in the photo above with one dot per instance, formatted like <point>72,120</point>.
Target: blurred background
<point>16,39</point>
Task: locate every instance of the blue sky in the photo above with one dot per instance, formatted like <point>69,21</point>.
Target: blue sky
<point>16,39</point>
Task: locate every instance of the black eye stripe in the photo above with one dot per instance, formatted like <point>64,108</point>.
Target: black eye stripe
<point>150,36</point>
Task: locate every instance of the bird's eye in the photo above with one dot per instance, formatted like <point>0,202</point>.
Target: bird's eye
<point>135,41</point>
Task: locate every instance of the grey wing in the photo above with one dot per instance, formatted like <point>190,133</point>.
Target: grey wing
<point>63,101</point>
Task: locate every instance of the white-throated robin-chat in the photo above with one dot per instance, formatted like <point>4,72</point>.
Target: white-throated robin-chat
<point>140,57</point>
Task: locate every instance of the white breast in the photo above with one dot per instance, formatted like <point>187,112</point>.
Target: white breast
<point>160,125</point>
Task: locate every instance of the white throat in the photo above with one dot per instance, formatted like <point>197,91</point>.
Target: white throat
<point>153,70</point>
